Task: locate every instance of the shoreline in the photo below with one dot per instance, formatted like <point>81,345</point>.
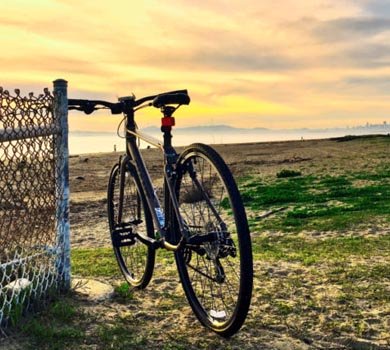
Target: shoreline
<point>250,143</point>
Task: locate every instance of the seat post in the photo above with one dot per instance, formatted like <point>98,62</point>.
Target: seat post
<point>167,121</point>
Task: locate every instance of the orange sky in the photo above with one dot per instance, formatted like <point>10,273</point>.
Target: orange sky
<point>279,64</point>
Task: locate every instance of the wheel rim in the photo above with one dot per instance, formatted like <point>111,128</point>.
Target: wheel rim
<point>133,256</point>
<point>213,271</point>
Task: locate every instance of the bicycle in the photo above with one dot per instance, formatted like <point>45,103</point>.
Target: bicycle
<point>202,219</point>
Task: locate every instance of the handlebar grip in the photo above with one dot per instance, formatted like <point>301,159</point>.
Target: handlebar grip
<point>89,106</point>
<point>171,99</point>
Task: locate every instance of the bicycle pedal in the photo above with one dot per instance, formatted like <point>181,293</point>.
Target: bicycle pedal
<point>123,237</point>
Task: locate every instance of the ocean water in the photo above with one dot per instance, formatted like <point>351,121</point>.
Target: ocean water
<point>93,143</point>
<point>90,142</point>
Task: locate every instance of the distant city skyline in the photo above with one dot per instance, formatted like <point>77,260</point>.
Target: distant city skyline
<point>280,64</point>
<point>89,142</point>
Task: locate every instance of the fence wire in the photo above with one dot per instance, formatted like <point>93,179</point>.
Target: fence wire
<point>30,249</point>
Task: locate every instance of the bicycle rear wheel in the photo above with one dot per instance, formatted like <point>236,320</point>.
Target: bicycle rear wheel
<point>128,213</point>
<point>217,274</point>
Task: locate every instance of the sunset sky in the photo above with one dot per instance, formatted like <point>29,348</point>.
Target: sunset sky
<point>274,64</point>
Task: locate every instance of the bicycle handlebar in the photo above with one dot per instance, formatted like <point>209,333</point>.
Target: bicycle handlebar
<point>127,104</point>
<point>89,106</point>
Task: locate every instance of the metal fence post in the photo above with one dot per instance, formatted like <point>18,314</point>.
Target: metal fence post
<point>62,159</point>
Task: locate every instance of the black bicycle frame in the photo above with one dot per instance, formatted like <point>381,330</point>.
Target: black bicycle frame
<point>170,156</point>
<point>162,221</point>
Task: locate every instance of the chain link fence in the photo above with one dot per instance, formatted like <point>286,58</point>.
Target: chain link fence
<point>34,228</point>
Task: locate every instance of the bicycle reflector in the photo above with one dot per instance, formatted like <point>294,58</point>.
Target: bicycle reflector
<point>168,121</point>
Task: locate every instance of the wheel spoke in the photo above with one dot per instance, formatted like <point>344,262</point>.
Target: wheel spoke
<point>135,260</point>
<point>213,275</point>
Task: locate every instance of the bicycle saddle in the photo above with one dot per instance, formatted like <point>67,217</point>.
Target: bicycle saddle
<point>171,99</point>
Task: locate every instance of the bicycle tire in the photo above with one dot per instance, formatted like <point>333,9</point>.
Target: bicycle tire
<point>135,259</point>
<point>210,292</point>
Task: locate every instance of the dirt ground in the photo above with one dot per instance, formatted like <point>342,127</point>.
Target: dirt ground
<point>88,180</point>
<point>89,175</point>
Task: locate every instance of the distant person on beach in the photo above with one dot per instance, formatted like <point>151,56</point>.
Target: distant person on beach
<point>114,148</point>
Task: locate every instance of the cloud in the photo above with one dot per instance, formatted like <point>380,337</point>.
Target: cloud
<point>376,7</point>
<point>286,57</point>
<point>219,58</point>
<point>385,80</point>
<point>370,85</point>
<point>349,28</point>
<point>369,56</point>
<point>244,59</point>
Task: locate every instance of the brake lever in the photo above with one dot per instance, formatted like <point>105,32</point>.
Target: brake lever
<point>89,108</point>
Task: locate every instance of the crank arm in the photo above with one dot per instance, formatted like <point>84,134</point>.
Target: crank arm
<point>199,239</point>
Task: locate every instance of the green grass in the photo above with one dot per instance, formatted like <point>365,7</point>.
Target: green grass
<point>329,261</point>
<point>119,335</point>
<point>55,327</point>
<point>320,202</point>
<point>63,325</point>
<point>94,262</point>
<point>101,262</point>
<point>124,292</point>
<point>293,271</point>
<point>309,252</point>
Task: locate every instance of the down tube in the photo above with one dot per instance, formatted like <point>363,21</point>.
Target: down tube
<point>147,186</point>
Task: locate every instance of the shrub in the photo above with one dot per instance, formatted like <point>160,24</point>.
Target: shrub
<point>288,173</point>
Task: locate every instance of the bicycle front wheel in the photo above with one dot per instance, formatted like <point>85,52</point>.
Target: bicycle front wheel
<point>128,213</point>
<point>216,273</point>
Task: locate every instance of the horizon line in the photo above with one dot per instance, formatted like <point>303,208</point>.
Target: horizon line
<point>384,124</point>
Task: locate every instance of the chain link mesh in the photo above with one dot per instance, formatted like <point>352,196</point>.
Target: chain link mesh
<point>29,192</point>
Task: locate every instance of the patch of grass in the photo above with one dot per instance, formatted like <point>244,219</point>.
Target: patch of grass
<point>311,252</point>
<point>376,272</point>
<point>246,178</point>
<point>119,336</point>
<point>381,174</point>
<point>165,256</point>
<point>53,337</point>
<point>55,327</point>
<point>333,181</point>
<point>62,310</point>
<point>362,281</point>
<point>321,202</point>
<point>98,262</point>
<point>372,138</point>
<point>283,308</point>
<point>124,292</point>
<point>281,192</point>
<point>369,291</point>
<point>174,346</point>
